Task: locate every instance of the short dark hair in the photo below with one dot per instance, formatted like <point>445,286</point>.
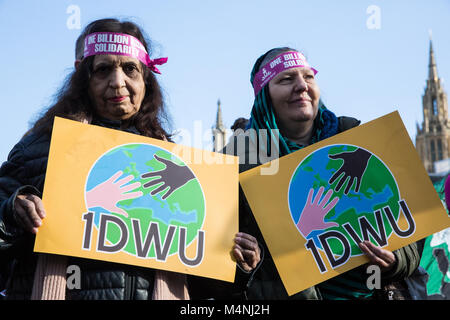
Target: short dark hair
<point>239,123</point>
<point>73,102</point>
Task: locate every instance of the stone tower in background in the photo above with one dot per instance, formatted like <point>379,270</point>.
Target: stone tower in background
<point>219,131</point>
<point>433,137</point>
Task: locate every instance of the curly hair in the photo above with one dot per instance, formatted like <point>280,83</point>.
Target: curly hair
<point>73,101</point>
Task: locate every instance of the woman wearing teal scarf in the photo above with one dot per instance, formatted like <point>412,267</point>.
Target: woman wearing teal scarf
<point>264,116</point>
<point>287,104</point>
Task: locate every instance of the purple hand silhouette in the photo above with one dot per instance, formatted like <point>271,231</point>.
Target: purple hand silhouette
<point>314,212</point>
<point>107,194</point>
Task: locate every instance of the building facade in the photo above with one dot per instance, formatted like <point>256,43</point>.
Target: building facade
<point>433,136</point>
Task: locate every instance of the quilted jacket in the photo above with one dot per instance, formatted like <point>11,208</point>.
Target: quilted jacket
<point>24,172</point>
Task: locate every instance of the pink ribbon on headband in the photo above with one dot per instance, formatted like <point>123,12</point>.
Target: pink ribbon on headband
<point>122,44</point>
<point>152,62</point>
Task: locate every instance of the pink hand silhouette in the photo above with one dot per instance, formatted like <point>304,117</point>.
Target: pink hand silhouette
<point>314,212</point>
<point>107,194</point>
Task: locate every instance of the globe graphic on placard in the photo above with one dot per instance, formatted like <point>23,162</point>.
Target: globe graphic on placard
<point>185,207</point>
<point>378,189</point>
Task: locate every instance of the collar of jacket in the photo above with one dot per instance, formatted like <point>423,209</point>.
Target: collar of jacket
<point>113,124</point>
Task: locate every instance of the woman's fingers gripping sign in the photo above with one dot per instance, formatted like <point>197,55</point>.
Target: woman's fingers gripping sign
<point>29,212</point>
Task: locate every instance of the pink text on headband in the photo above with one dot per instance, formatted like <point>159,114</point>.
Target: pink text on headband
<point>284,61</point>
<point>119,44</point>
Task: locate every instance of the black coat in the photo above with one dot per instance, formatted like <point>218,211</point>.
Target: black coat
<point>24,172</point>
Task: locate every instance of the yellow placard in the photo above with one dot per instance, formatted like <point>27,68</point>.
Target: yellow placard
<point>116,196</point>
<point>366,183</point>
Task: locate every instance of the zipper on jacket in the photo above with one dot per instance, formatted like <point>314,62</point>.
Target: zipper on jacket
<point>130,283</point>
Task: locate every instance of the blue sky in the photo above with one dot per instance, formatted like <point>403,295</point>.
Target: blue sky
<point>212,45</point>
